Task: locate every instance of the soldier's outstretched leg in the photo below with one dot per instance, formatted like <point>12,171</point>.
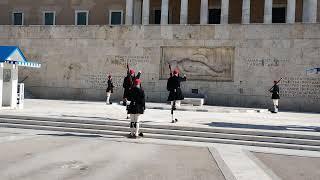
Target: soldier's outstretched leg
<point>108,98</point>
<point>137,125</point>
<point>132,130</point>
<point>178,103</point>
<point>173,107</point>
<point>275,105</point>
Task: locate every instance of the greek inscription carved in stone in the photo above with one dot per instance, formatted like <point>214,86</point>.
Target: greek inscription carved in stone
<point>199,63</point>
<point>99,80</point>
<point>266,62</point>
<point>124,60</point>
<point>300,87</point>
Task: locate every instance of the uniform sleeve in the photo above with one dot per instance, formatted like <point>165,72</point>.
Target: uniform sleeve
<point>183,78</point>
<point>143,100</point>
<point>111,84</point>
<point>138,75</point>
<point>277,89</point>
<point>124,82</point>
<point>130,95</point>
<point>168,85</point>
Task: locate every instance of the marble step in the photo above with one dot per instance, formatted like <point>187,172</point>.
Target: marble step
<point>125,123</point>
<point>153,130</point>
<point>166,137</point>
<point>193,101</point>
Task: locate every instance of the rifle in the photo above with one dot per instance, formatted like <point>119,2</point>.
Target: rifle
<point>275,84</point>
<point>128,69</point>
<point>170,70</point>
<point>24,79</point>
<point>126,101</point>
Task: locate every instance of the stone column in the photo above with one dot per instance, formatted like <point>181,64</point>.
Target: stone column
<point>137,12</point>
<point>246,11</point>
<point>129,12</point>
<point>309,11</point>
<point>224,11</point>
<point>164,11</point>
<point>267,11</point>
<point>291,11</point>
<point>184,12</point>
<point>145,12</point>
<point>204,12</point>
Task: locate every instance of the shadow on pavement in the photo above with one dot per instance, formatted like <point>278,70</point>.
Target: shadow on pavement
<point>265,127</point>
<point>95,117</point>
<point>77,135</point>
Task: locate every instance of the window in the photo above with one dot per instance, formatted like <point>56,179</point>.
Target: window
<point>157,16</point>
<point>115,17</point>
<point>81,18</point>
<point>278,15</point>
<point>49,18</point>
<point>17,18</point>
<point>214,16</point>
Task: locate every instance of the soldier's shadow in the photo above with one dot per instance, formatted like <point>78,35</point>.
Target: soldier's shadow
<point>265,127</point>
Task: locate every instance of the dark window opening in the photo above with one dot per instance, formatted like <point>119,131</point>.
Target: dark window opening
<point>279,15</point>
<point>214,16</point>
<point>49,18</point>
<point>157,16</point>
<point>17,19</point>
<point>82,18</point>
<point>116,18</point>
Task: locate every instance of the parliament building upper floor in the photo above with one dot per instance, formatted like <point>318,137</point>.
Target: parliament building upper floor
<point>129,12</point>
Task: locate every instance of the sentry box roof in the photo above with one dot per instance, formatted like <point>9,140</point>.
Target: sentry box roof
<point>13,55</point>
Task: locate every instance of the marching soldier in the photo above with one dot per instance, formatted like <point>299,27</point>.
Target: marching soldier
<point>275,96</point>
<point>128,83</point>
<point>175,93</point>
<point>109,90</point>
<point>136,108</point>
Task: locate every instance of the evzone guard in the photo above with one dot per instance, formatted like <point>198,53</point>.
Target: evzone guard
<point>275,96</point>
<point>136,108</point>
<point>175,93</point>
<point>128,83</point>
<point>109,90</point>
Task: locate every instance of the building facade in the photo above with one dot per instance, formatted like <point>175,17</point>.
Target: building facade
<point>231,51</point>
<point>103,12</point>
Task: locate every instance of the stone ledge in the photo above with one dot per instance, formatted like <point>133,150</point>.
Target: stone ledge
<point>193,101</point>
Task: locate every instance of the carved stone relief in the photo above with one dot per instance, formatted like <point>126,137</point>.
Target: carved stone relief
<point>199,63</point>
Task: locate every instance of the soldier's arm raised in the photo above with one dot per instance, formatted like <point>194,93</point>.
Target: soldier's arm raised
<point>184,78</point>
<point>138,75</point>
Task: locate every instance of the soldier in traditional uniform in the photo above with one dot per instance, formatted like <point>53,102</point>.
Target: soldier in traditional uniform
<point>275,97</point>
<point>173,86</point>
<point>109,90</point>
<point>128,84</point>
<point>136,108</point>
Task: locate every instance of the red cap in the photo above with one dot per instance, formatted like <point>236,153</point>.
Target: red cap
<point>109,76</point>
<point>131,71</point>
<point>137,82</point>
<point>275,81</point>
<point>176,71</point>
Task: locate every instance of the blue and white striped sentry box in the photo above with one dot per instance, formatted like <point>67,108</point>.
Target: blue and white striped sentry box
<point>13,55</point>
<point>25,64</point>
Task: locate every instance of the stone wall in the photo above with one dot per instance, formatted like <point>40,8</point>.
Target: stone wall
<point>76,60</point>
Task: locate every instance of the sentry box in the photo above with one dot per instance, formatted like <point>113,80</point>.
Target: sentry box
<point>11,92</point>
